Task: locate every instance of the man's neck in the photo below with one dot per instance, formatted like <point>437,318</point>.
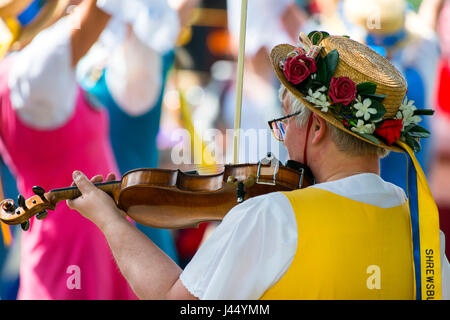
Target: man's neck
<point>339,167</point>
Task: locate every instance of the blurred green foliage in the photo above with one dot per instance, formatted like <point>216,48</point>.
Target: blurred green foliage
<point>415,3</point>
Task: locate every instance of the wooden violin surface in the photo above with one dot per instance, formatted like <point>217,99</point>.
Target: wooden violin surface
<point>171,199</point>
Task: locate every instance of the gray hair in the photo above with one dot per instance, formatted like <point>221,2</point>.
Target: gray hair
<point>344,141</point>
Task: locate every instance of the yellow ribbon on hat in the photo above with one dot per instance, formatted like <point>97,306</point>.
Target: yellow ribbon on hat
<point>9,33</point>
<point>425,231</point>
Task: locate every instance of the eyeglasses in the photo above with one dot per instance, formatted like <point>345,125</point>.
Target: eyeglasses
<point>278,126</point>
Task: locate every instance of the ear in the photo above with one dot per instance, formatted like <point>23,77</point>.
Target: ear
<point>319,129</point>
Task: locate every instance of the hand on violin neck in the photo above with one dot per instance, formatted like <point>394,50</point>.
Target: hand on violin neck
<point>94,204</point>
<point>96,179</point>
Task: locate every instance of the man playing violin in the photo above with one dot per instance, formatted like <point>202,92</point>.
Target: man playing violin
<point>349,236</point>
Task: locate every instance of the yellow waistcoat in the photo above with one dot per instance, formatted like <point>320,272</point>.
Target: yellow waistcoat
<point>347,250</point>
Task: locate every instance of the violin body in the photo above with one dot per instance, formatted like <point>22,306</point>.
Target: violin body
<point>171,199</point>
<point>179,200</point>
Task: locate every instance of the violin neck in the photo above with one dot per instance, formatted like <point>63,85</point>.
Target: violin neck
<point>57,195</point>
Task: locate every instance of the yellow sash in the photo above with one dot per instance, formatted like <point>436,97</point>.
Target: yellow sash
<point>425,231</point>
<point>347,250</point>
<point>338,237</point>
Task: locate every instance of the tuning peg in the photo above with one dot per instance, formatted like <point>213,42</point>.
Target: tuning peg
<point>25,226</point>
<point>21,202</point>
<point>38,191</point>
<point>42,215</point>
<point>9,207</point>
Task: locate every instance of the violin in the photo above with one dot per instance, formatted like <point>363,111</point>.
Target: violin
<point>172,199</point>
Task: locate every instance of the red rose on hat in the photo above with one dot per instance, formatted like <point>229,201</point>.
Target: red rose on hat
<point>342,90</point>
<point>390,130</point>
<point>298,68</point>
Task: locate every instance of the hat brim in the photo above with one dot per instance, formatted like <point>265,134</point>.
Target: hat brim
<point>49,15</point>
<point>278,54</point>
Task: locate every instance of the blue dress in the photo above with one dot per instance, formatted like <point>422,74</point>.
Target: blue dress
<point>133,140</point>
<point>10,192</point>
<point>394,166</point>
<point>9,285</point>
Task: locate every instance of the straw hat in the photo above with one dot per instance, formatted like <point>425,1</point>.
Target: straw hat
<point>11,9</point>
<point>361,65</point>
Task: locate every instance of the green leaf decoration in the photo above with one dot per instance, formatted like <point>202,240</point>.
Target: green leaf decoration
<point>303,87</point>
<point>377,97</point>
<point>316,84</point>
<point>381,110</point>
<point>409,127</point>
<point>348,37</point>
<point>419,134</point>
<point>417,131</point>
<point>413,143</point>
<point>331,60</point>
<point>325,34</point>
<point>317,36</point>
<point>423,112</point>
<point>369,137</point>
<point>366,88</point>
<point>322,72</point>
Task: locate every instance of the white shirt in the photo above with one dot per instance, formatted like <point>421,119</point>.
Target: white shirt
<point>256,242</point>
<point>42,81</point>
<point>155,23</point>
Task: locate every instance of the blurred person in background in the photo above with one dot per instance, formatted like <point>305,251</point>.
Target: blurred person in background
<point>42,112</point>
<point>430,11</point>
<point>269,22</point>
<point>398,33</point>
<point>126,72</point>
<point>328,15</point>
<point>438,16</point>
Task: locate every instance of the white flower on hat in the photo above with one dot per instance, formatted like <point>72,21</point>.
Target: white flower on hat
<point>363,107</point>
<point>362,127</point>
<point>319,99</point>
<point>406,112</point>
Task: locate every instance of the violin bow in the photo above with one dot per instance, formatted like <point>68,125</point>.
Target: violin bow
<point>239,82</point>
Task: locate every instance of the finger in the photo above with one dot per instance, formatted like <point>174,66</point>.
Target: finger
<point>96,179</point>
<point>74,204</point>
<point>82,182</point>
<point>111,177</point>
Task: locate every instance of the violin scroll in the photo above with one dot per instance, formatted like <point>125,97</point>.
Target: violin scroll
<point>13,214</point>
